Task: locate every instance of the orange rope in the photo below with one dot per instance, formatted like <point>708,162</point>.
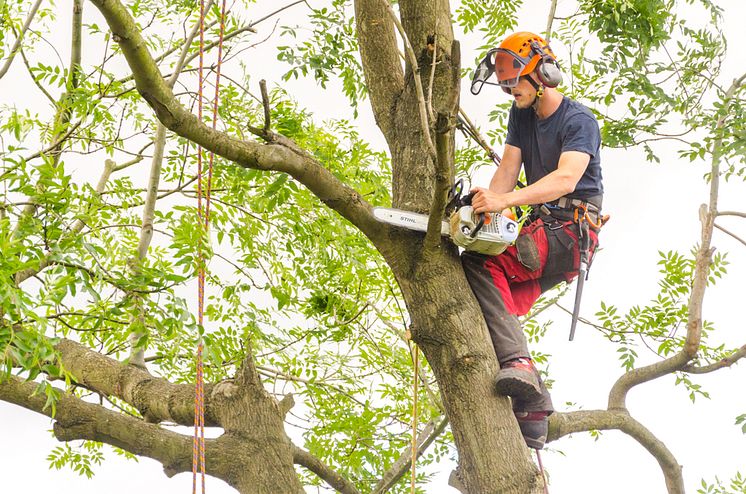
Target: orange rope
<point>198,453</point>
<point>416,362</point>
<point>198,444</point>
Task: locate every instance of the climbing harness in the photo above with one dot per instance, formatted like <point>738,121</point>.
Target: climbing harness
<point>203,211</point>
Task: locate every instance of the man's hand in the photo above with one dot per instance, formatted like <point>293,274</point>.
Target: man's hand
<point>486,201</point>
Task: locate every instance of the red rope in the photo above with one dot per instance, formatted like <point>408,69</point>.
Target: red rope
<point>198,453</point>
<point>543,475</point>
<point>198,443</point>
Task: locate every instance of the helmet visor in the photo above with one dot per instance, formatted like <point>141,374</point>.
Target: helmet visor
<point>483,72</point>
<point>509,67</point>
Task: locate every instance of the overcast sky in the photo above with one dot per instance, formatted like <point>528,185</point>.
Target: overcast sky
<point>653,207</point>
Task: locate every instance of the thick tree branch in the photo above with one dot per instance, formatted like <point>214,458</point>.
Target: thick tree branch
<point>703,261</point>
<point>282,155</point>
<point>76,49</point>
<point>379,55</point>
<point>412,60</point>
<point>157,399</point>
<point>444,143</point>
<point>137,353</point>
<point>77,419</point>
<point>562,424</point>
<point>550,19</point>
<point>64,112</point>
<point>331,477</point>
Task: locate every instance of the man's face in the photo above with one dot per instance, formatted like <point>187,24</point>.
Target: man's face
<point>523,93</point>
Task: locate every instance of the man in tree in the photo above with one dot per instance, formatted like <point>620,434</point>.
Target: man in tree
<point>557,140</point>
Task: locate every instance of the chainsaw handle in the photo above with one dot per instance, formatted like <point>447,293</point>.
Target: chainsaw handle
<point>479,226</point>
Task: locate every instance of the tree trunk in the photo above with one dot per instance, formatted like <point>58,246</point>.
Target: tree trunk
<point>446,319</point>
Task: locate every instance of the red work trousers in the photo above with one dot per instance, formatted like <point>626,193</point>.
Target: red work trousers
<point>545,254</point>
<point>507,285</point>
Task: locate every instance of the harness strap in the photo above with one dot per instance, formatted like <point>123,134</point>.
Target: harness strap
<point>569,203</point>
<point>575,210</point>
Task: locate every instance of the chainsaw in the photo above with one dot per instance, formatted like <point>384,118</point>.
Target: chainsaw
<point>485,233</point>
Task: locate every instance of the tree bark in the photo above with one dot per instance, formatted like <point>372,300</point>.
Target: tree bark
<point>447,322</point>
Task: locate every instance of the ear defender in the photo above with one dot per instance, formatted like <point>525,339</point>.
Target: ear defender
<point>547,70</point>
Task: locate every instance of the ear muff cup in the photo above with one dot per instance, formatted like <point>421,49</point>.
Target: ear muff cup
<point>549,72</point>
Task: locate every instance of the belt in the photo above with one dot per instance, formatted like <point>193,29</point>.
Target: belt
<point>591,204</point>
<point>564,208</point>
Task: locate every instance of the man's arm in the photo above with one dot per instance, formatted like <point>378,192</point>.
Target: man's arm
<point>506,175</point>
<point>562,181</point>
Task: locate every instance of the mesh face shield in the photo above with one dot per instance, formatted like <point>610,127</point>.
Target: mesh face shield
<point>483,72</point>
<point>507,66</point>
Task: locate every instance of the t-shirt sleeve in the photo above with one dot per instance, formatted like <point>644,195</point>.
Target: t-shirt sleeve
<point>581,134</point>
<point>513,136</point>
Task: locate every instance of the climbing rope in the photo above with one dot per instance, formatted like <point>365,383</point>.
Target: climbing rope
<point>415,383</point>
<point>203,211</point>
<point>543,475</point>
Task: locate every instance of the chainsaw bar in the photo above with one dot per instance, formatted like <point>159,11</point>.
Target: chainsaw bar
<point>408,219</point>
<point>491,235</point>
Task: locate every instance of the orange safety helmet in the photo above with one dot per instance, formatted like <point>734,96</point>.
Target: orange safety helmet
<point>518,55</point>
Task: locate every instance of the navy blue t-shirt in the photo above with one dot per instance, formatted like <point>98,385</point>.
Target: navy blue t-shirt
<point>571,128</point>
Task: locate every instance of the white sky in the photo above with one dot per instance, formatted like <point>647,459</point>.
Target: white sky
<point>653,207</point>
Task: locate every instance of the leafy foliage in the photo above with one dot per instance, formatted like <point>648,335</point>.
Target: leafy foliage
<point>80,459</point>
<point>291,282</point>
<point>660,326</point>
<point>736,485</point>
<point>330,52</point>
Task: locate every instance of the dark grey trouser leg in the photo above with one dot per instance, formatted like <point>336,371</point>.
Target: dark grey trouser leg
<point>505,330</point>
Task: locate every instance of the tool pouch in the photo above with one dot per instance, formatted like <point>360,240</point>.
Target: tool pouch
<point>527,252</point>
<point>561,255</point>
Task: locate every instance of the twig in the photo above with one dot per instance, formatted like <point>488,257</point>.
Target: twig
<point>138,158</point>
<point>31,74</point>
<point>57,141</point>
<point>732,213</point>
<point>22,276</point>
<point>471,129</point>
<point>332,477</point>
<point>19,39</point>
<point>276,12</point>
<point>725,362</point>
<point>277,374</point>
<point>730,233</point>
<point>265,103</point>
<point>432,77</point>
<point>400,466</point>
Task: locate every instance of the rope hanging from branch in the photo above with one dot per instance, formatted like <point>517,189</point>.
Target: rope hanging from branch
<point>203,211</point>
<point>415,381</point>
